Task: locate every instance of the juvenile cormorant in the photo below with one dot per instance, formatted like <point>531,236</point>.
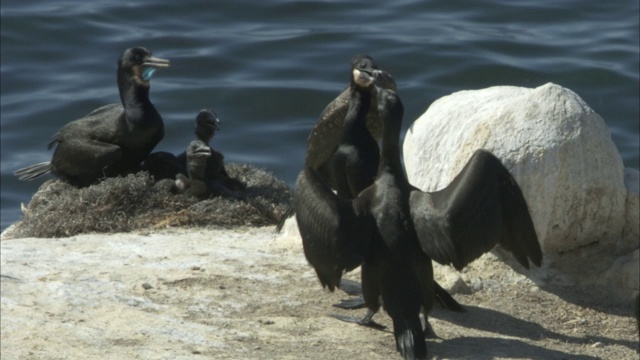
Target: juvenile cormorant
<point>207,124</point>
<point>395,230</point>
<point>165,165</point>
<point>195,184</point>
<point>113,139</point>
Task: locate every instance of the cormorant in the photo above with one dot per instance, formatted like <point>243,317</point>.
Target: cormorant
<point>327,132</point>
<point>353,164</point>
<point>165,165</point>
<point>196,184</point>
<point>395,230</point>
<point>207,123</point>
<point>192,181</point>
<point>113,139</point>
<point>209,169</point>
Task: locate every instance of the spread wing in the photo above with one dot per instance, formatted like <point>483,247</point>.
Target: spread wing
<point>335,232</point>
<point>482,206</point>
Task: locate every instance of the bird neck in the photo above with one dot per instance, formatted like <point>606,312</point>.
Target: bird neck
<point>203,135</point>
<point>355,121</point>
<point>134,95</point>
<point>390,153</point>
<point>391,112</point>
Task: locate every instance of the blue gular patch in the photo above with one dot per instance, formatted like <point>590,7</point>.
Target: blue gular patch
<point>147,72</point>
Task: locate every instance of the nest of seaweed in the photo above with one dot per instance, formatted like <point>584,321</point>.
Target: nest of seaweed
<point>133,202</point>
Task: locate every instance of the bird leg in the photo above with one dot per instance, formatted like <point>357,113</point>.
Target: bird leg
<point>429,333</point>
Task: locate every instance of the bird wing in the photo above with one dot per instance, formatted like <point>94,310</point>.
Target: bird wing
<point>335,232</point>
<point>326,134</point>
<point>81,156</point>
<point>482,206</point>
<point>100,125</point>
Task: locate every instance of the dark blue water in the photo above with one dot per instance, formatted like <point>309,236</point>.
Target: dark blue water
<point>269,67</point>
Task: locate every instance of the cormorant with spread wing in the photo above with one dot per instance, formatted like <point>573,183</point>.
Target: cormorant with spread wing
<point>394,230</point>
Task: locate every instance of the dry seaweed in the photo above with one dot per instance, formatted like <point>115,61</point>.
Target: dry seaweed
<point>124,204</point>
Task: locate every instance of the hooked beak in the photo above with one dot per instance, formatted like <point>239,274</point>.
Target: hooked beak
<point>150,65</point>
<point>155,62</point>
<point>364,77</point>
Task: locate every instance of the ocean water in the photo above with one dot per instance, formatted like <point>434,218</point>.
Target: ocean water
<point>268,68</point>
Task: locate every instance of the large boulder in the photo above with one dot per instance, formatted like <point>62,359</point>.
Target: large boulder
<point>560,152</point>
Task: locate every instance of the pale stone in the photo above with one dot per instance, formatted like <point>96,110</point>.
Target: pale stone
<point>559,150</point>
<point>454,284</point>
<point>583,203</point>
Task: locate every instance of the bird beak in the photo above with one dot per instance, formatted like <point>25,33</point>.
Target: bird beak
<point>155,62</point>
<point>150,65</point>
<point>364,77</point>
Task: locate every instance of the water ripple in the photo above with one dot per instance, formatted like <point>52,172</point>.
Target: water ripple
<point>269,68</point>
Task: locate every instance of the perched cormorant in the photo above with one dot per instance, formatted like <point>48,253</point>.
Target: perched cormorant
<point>165,165</point>
<point>113,139</point>
<point>192,181</point>
<point>196,184</point>
<point>207,123</point>
<point>199,170</point>
<point>327,132</point>
<point>353,165</point>
<point>395,230</point>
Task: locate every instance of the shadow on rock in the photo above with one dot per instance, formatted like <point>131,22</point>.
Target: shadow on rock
<point>506,325</point>
<point>483,348</point>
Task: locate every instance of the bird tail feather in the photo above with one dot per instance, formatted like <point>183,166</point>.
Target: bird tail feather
<point>410,338</point>
<point>33,171</point>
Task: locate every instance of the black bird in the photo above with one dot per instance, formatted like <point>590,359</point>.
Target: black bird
<point>395,230</point>
<point>165,165</point>
<point>113,139</point>
<point>353,165</point>
<point>192,182</point>
<point>207,123</point>
<point>327,132</point>
<point>195,184</point>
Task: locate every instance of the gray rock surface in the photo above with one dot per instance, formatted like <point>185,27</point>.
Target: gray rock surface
<point>245,293</point>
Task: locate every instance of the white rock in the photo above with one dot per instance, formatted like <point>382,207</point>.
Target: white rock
<point>558,149</point>
<point>560,152</point>
<point>454,284</point>
<point>632,221</point>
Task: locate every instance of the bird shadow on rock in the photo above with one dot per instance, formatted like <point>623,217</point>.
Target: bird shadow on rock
<point>562,278</point>
<point>493,321</point>
<point>486,348</point>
